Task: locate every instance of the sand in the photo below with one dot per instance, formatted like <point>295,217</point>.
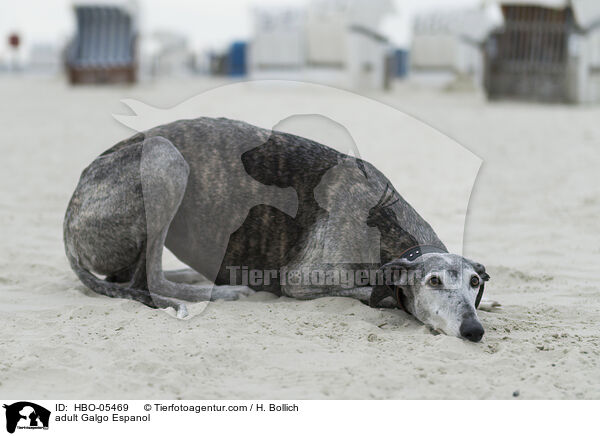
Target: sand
<point>532,219</point>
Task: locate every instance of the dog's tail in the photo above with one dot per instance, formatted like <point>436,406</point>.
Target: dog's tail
<point>103,287</point>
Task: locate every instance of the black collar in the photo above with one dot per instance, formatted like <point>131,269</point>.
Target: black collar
<point>419,250</point>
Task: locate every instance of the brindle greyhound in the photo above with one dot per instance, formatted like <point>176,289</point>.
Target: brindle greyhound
<point>226,197</point>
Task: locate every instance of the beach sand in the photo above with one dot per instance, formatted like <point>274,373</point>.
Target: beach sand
<point>532,220</point>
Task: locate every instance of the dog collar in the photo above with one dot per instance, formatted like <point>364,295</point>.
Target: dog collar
<point>419,250</point>
<point>416,252</point>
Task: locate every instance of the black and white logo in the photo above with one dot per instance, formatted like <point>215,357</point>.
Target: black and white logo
<point>26,415</point>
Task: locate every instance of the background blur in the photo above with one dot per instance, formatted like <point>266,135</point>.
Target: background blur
<point>546,50</point>
<point>351,43</point>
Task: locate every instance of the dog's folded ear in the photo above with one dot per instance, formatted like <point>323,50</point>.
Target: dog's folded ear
<point>388,277</point>
<point>480,269</point>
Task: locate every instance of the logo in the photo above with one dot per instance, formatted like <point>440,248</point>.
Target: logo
<point>26,415</point>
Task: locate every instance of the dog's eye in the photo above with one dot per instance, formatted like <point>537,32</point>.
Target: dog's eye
<point>434,281</point>
<point>474,281</point>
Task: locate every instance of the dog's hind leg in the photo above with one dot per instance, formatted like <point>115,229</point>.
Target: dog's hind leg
<point>204,286</point>
<point>105,230</point>
<point>186,275</point>
<point>164,173</point>
<point>217,292</point>
<point>121,276</point>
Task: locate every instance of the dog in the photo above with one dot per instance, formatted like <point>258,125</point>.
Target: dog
<point>232,201</point>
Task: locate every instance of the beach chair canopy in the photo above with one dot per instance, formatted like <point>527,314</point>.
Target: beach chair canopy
<point>586,12</point>
<point>105,38</point>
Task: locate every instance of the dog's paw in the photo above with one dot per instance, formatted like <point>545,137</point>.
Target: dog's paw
<point>177,310</point>
<point>182,311</point>
<point>489,306</point>
<point>230,293</point>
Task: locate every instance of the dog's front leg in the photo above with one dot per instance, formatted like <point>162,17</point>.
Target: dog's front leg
<point>307,293</point>
<point>362,293</point>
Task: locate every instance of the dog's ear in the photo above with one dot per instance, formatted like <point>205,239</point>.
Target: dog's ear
<point>480,269</point>
<point>388,277</point>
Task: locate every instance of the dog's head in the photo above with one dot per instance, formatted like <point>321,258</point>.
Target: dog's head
<point>439,289</point>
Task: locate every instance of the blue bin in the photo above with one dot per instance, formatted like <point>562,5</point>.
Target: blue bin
<point>401,65</point>
<point>237,59</point>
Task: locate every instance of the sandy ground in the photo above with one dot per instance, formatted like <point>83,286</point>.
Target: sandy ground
<point>533,220</point>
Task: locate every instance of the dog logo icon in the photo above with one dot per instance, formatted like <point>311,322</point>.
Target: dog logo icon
<point>26,415</point>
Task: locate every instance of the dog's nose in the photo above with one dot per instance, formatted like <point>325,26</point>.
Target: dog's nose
<point>471,329</point>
